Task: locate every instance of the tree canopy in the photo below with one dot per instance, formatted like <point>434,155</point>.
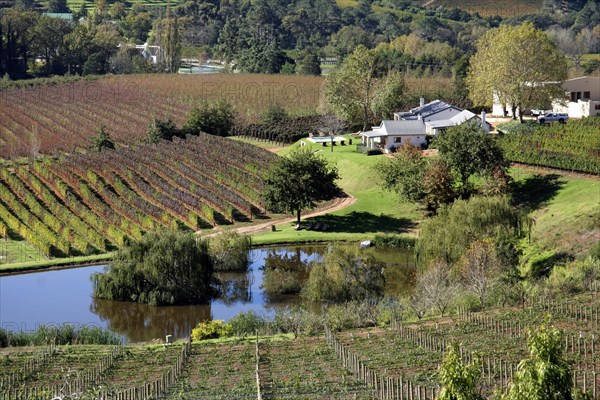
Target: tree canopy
<point>166,268</point>
<point>467,150</point>
<point>299,181</point>
<point>519,65</point>
<point>355,93</point>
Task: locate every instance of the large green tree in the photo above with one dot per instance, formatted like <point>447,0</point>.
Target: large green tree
<point>467,150</point>
<point>519,65</point>
<point>299,181</point>
<point>166,268</point>
<point>356,94</point>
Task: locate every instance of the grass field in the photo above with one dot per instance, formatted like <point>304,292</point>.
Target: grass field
<point>373,212</point>
<point>565,209</point>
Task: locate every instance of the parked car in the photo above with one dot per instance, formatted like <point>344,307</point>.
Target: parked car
<point>553,117</point>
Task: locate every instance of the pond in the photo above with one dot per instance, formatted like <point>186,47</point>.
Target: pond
<point>65,296</point>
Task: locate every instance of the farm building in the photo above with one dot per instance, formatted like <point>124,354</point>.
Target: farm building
<point>582,99</point>
<point>417,125</point>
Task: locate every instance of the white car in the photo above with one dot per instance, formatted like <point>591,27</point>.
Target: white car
<point>553,117</point>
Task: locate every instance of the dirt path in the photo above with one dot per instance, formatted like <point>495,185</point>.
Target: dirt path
<point>337,204</point>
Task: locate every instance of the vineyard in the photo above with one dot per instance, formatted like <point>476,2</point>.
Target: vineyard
<point>86,204</point>
<point>574,146</point>
<point>511,8</point>
<point>64,117</point>
<point>396,362</point>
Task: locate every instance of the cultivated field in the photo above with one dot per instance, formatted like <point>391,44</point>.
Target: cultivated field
<point>398,361</point>
<point>512,8</point>
<point>91,203</point>
<point>64,117</point>
<point>574,146</point>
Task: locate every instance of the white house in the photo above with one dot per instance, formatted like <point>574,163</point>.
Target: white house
<point>582,97</point>
<point>418,125</point>
<point>391,134</point>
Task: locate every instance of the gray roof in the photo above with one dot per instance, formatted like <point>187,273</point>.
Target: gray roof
<point>425,110</point>
<point>411,127</point>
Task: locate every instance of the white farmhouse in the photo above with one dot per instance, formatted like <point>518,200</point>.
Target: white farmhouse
<point>582,97</point>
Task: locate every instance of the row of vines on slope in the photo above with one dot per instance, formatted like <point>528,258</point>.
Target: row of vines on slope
<point>571,146</point>
<point>89,203</point>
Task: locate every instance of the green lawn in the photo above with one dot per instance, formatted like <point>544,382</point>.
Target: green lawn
<point>374,211</point>
<point>565,210</point>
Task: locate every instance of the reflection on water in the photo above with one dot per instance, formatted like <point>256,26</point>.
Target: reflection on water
<point>65,296</point>
<point>141,322</point>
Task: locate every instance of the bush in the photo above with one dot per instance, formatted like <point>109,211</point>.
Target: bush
<point>216,118</point>
<point>396,241</point>
<point>246,323</point>
<point>345,274</point>
<point>211,330</point>
<point>273,114</point>
<point>229,251</point>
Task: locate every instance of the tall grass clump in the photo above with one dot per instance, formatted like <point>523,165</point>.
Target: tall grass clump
<point>59,335</point>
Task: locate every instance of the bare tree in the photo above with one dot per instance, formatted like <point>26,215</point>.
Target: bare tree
<point>480,269</point>
<point>34,142</point>
<point>572,44</point>
<point>437,286</point>
<point>332,126</point>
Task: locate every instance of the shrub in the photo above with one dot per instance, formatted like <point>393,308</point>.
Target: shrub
<point>211,330</point>
<point>216,118</point>
<point>345,274</point>
<point>229,251</point>
<point>246,323</point>
<point>396,241</point>
<point>273,114</point>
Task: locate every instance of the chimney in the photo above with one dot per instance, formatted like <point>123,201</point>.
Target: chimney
<point>421,101</point>
<point>483,124</point>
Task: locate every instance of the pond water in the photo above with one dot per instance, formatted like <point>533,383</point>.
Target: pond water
<point>65,296</point>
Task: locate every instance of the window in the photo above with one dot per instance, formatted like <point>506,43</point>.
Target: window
<point>573,96</point>
<point>397,140</point>
<point>578,95</point>
<point>597,107</point>
<point>586,95</point>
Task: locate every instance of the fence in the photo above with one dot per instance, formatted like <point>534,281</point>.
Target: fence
<point>383,387</point>
<point>91,378</point>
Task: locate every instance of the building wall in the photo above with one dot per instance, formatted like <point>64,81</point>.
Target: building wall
<point>396,141</point>
<point>579,109</point>
<point>581,88</point>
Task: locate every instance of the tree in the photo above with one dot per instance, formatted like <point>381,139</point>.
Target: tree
<point>299,181</point>
<point>166,268</point>
<point>349,90</point>
<point>49,43</point>
<point>437,288</point>
<point>355,94</point>
<point>403,173</point>
<point>58,6</point>
<point>480,269</point>
<point>459,381</point>
<point>343,275</point>
<point>167,36</point>
<point>308,63</point>
<point>467,150</point>
<point>214,118</point>
<point>544,375</point>
<point>162,130</point>
<point>102,141</point>
<point>519,65</point>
